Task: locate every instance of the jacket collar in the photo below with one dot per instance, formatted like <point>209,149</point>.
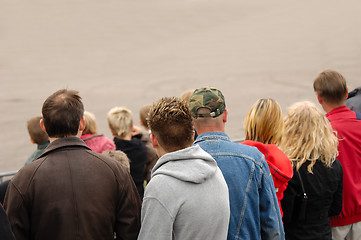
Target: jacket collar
<point>212,135</point>
<point>64,142</point>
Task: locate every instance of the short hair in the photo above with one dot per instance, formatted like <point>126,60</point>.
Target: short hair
<point>90,123</point>
<point>170,121</point>
<point>143,114</point>
<point>35,131</point>
<point>331,87</point>
<point>120,120</point>
<point>308,136</point>
<point>264,122</point>
<point>62,112</point>
<point>119,156</point>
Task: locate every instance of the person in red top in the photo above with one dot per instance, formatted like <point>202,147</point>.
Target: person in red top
<point>264,129</point>
<point>331,90</point>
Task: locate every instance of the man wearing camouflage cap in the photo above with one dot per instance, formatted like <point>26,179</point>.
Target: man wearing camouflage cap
<point>254,209</point>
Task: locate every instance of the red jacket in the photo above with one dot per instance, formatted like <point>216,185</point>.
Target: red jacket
<point>348,129</point>
<point>279,165</point>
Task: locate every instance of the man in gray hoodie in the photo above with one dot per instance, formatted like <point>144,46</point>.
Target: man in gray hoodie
<point>187,196</point>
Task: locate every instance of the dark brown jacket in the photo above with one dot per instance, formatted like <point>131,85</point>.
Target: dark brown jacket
<point>70,193</point>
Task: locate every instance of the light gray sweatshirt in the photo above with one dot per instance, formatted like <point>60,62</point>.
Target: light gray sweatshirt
<point>186,198</point>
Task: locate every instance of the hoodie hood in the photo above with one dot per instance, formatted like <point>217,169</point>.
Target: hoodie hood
<point>191,164</point>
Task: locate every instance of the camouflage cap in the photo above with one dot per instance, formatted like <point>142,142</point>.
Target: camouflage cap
<point>206,97</point>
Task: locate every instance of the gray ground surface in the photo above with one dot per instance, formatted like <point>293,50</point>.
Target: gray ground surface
<point>130,53</point>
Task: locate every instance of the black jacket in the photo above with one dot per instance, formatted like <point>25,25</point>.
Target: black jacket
<point>324,191</point>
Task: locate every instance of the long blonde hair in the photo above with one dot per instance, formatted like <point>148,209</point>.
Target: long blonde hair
<point>264,122</point>
<point>308,136</point>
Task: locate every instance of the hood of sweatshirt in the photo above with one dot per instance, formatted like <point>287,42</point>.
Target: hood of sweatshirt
<point>191,164</point>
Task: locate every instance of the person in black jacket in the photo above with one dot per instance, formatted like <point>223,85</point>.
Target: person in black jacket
<point>314,194</point>
<point>5,228</point>
<point>120,120</point>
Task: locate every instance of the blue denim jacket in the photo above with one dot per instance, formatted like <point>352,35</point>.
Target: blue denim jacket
<point>255,212</point>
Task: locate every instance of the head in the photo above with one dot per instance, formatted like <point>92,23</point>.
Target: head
<point>330,87</point>
<point>186,95</point>
<point>264,122</point>
<point>90,123</point>
<point>208,109</point>
<point>120,120</point>
<point>308,136</point>
<point>143,114</point>
<point>36,133</point>
<point>63,114</point>
<point>171,124</point>
<point>118,156</point>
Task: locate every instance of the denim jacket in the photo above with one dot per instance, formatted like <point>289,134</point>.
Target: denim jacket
<point>255,213</point>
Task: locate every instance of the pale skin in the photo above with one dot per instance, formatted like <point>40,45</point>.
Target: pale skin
<point>328,107</point>
<point>80,129</point>
<point>203,125</point>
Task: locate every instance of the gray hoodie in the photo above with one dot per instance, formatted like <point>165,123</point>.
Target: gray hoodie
<point>186,198</point>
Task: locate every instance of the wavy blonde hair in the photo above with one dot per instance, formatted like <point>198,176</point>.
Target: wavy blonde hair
<point>264,122</point>
<point>120,120</point>
<point>308,136</point>
<point>90,123</point>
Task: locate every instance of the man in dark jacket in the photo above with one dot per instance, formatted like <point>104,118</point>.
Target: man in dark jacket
<point>71,192</point>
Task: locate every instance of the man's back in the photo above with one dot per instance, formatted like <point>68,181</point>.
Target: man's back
<point>348,128</point>
<point>254,209</point>
<point>71,192</point>
<point>186,198</point>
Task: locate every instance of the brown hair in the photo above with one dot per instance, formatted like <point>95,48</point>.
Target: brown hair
<point>264,122</point>
<point>118,156</point>
<point>143,114</point>
<point>171,123</point>
<point>331,87</point>
<point>62,112</point>
<point>35,131</point>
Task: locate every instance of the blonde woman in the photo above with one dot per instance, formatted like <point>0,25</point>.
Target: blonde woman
<point>264,129</point>
<point>96,142</point>
<point>120,120</point>
<point>311,145</point>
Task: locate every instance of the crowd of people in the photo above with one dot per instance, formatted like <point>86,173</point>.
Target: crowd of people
<point>180,176</point>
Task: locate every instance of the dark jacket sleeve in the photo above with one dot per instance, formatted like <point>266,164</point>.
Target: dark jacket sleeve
<point>288,200</point>
<point>129,206</point>
<point>5,228</point>
<point>336,206</point>
<point>17,212</point>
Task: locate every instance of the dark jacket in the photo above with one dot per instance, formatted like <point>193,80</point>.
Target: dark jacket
<point>137,154</point>
<point>71,192</point>
<point>324,191</point>
<point>5,228</point>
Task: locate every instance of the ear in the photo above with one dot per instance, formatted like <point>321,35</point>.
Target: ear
<point>346,94</point>
<point>225,115</point>
<point>42,125</point>
<point>154,141</point>
<point>319,99</point>
<point>82,124</point>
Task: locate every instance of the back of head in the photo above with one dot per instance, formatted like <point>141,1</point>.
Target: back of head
<point>118,156</point>
<point>171,123</point>
<point>143,114</point>
<point>120,120</point>
<point>90,123</point>
<point>35,131</point>
<point>62,112</point>
<point>308,136</point>
<point>264,122</point>
<point>331,87</point>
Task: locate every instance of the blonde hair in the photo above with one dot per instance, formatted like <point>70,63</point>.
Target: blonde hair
<point>119,156</point>
<point>308,136</point>
<point>264,122</point>
<point>120,120</point>
<point>90,123</point>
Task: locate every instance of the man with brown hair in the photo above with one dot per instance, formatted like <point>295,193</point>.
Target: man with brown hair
<point>187,196</point>
<point>37,136</point>
<point>71,192</point>
<point>331,90</point>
